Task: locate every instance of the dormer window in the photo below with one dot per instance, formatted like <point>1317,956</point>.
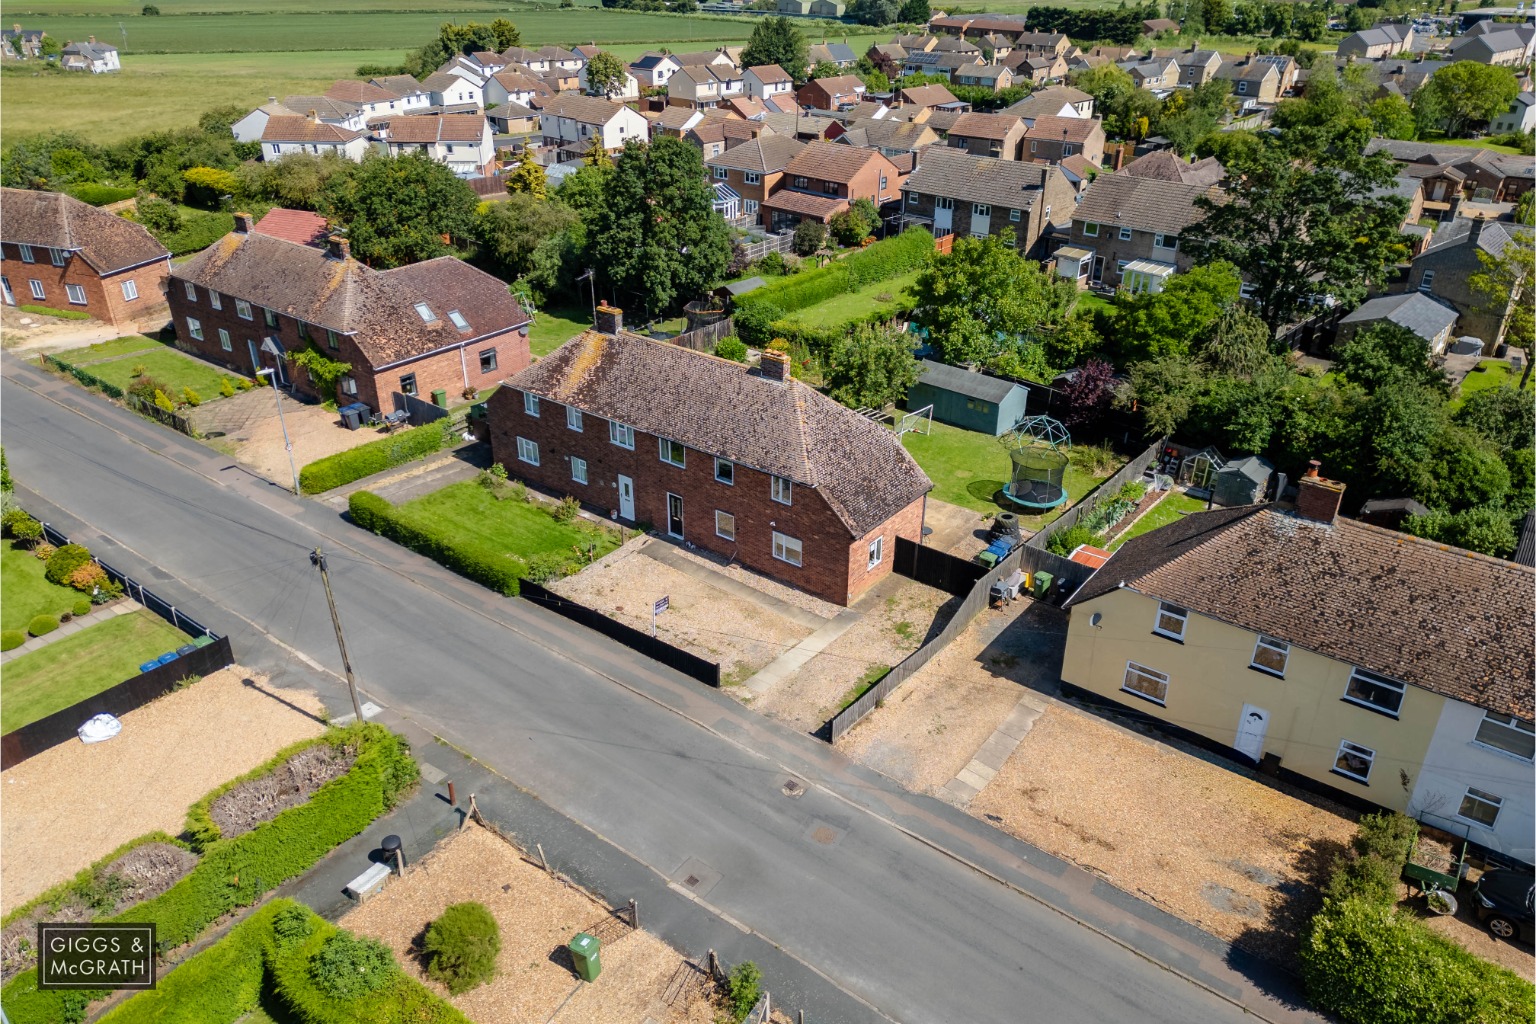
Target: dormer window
<point>425,312</point>
<point>457,319</point>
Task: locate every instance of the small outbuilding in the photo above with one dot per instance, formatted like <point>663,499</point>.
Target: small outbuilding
<point>1419,313</point>
<point>1390,512</point>
<point>1242,481</point>
<point>965,398</point>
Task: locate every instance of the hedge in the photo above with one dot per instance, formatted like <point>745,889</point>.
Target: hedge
<point>879,262</point>
<point>55,897</point>
<point>486,565</point>
<point>202,831</point>
<point>100,195</point>
<point>199,229</point>
<point>86,378</point>
<point>375,456</point>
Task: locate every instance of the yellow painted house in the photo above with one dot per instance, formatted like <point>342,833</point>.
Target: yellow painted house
<point>1390,669</point>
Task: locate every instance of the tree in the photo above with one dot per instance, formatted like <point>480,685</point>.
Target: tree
<point>49,47</point>
<point>809,237</point>
<point>1303,225</point>
<point>506,33</point>
<point>401,210</point>
<point>1501,284</point>
<point>982,294</point>
<point>512,232</point>
<point>1163,390</point>
<point>915,12</point>
<point>1384,354</point>
<point>1503,415</point>
<point>875,12</point>
<point>871,366</point>
<point>1487,528</point>
<point>1088,393</point>
<point>1525,209</point>
<point>777,41</point>
<point>1468,93</point>
<point>1177,319</point>
<point>1392,117</point>
<point>825,69</point>
<point>529,178</point>
<point>605,74</point>
<point>853,225</point>
<point>656,236</point>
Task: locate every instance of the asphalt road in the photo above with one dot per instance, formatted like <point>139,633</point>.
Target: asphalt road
<point>894,927</point>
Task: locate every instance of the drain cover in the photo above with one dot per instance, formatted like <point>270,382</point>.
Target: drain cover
<point>691,881</point>
<point>823,833</point>
<point>793,788</point>
<point>696,876</point>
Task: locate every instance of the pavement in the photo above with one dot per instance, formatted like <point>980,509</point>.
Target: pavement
<point>861,901</point>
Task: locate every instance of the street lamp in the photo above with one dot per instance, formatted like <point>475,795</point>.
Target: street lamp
<point>277,394</point>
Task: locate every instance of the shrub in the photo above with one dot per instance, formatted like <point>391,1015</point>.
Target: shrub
<point>810,236</point>
<point>191,397</point>
<point>43,551</point>
<point>65,561</point>
<point>1389,835</point>
<point>196,230</point>
<point>546,566</point>
<point>99,195</point>
<point>348,966</point>
<point>1064,542</point>
<point>732,348</point>
<point>743,989</point>
<point>81,607</point>
<point>292,923</point>
<point>41,625</point>
<point>87,578</point>
<point>1369,878</point>
<point>144,387</point>
<point>772,265</point>
<point>26,529</point>
<point>226,388</point>
<point>1132,491</point>
<point>462,945</point>
<point>566,510</point>
<point>487,566</point>
<point>12,639</point>
<point>245,383</point>
<point>163,402</point>
<point>375,457</point>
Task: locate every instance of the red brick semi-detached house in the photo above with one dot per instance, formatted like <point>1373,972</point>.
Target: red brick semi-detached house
<point>58,252</point>
<point>436,325</point>
<point>748,463</point>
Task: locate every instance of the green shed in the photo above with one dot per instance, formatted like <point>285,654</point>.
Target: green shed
<point>963,398</point>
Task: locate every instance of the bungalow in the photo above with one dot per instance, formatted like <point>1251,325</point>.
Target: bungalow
<point>753,465</point>
<point>952,192</point>
<point>1166,165</point>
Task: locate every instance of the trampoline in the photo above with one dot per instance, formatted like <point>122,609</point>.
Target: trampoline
<point>1037,448</point>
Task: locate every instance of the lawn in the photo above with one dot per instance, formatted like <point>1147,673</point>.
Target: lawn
<point>468,513</point>
<point>554,327</point>
<point>842,308</point>
<point>1087,302</point>
<point>1172,508</point>
<point>109,349</point>
<point>1490,374</point>
<point>24,592</point>
<point>170,367</point>
<point>68,671</point>
<point>1479,144</point>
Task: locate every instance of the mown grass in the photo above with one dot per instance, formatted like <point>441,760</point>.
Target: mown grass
<point>115,347</point>
<point>1490,374</point>
<point>842,308</point>
<point>25,592</point>
<point>1170,510</point>
<point>554,327</point>
<point>468,513</point>
<point>169,367</point>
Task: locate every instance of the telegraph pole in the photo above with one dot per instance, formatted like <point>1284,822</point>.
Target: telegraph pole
<point>317,559</point>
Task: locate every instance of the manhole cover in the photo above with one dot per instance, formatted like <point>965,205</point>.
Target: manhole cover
<point>691,881</point>
<point>823,833</point>
<point>696,876</point>
<point>793,788</point>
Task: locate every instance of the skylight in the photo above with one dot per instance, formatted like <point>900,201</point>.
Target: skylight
<point>458,320</point>
<point>425,312</point>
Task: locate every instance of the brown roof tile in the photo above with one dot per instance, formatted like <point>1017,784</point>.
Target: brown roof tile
<point>828,161</point>
<point>1070,129</point>
<point>927,96</point>
<point>1145,203</point>
<point>280,128</point>
<point>763,154</point>
<point>349,91</point>
<point>298,226</point>
<point>105,241</point>
<point>1166,165</point>
<point>984,126</point>
<point>437,128</point>
<point>766,73</point>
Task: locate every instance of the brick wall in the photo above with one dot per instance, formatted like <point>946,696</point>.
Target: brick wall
<point>103,295</point>
<point>834,566</point>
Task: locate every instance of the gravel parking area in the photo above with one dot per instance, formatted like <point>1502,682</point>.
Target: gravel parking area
<point>247,426</point>
<point>931,728</point>
<point>538,915</point>
<point>1465,929</point>
<point>72,805</point>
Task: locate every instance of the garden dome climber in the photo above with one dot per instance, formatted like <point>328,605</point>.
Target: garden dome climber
<point>1038,448</point>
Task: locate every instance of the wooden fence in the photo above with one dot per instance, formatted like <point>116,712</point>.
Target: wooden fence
<point>704,339</point>
<point>773,243</point>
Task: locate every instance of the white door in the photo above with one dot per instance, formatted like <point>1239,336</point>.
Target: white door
<point>626,497</point>
<point>943,215</point>
<point>10,299</point>
<point>1439,192</point>
<point>1250,732</point>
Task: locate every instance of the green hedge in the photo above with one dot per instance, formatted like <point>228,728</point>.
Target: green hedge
<point>199,229</point>
<point>84,879</point>
<point>879,262</point>
<point>100,195</point>
<point>90,380</point>
<point>375,456</point>
<point>486,565</point>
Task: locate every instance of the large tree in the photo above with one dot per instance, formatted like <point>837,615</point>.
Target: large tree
<point>1386,354</point>
<point>1176,320</point>
<point>401,210</point>
<point>656,238</point>
<point>605,74</point>
<point>983,295</point>
<point>1465,94</point>
<point>1303,220</point>
<point>1503,286</point>
<point>777,41</point>
<point>871,366</point>
<point>510,233</point>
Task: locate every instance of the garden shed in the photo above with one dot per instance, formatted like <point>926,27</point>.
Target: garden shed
<point>1242,481</point>
<point>964,398</point>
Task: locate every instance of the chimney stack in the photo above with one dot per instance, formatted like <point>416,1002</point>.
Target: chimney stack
<point>337,247</point>
<point>1318,498</point>
<point>774,365</point>
<point>609,320</point>
<point>242,223</point>
<point>91,40</point>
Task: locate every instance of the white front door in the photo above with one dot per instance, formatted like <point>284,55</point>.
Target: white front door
<point>626,497</point>
<point>1250,732</point>
<point>10,299</point>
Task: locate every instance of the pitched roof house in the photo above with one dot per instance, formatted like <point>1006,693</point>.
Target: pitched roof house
<point>824,178</point>
<point>1053,139</point>
<point>97,58</point>
<point>954,192</point>
<point>1053,101</point>
<point>1510,46</point>
<point>1125,232</point>
<point>836,93</point>
<point>462,142</point>
<point>653,70</point>
<point>1166,165</point>
<point>1415,311</point>
<point>1383,40</point>
<point>754,465</point>
<point>298,226</point>
<point>569,122</point>
<point>1447,265</point>
<point>996,135</point>
<point>285,134</point>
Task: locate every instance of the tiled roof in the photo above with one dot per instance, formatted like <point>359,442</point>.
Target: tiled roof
<point>766,73</point>
<point>376,306</point>
<point>585,109</point>
<point>324,108</point>
<point>298,226</point>
<point>841,85</point>
<point>104,240</point>
<point>984,126</point>
<point>400,85</point>
<point>1446,620</point>
<point>805,204</point>
<point>723,409</point>
<point>516,81</point>
<point>351,91</point>
<point>828,161</point>
<point>1070,129</point>
<point>441,81</point>
<point>764,154</point>
<point>280,128</point>
<point>983,72</point>
<point>927,96</point>
<point>422,128</point>
<point>1491,237</point>
<point>1166,165</point>
<point>1417,312</point>
<point>888,133</point>
<point>1006,184</point>
<point>1145,203</point>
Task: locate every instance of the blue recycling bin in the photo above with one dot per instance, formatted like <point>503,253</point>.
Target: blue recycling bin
<point>149,665</point>
<point>167,658</point>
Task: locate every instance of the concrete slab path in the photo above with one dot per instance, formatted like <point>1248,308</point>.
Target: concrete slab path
<point>70,628</point>
<point>792,660</point>
<point>994,753</point>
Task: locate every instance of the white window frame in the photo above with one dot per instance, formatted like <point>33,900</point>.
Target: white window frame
<point>876,552</point>
<point>1427,282</point>
<point>729,479</point>
<point>784,545</point>
<point>224,342</point>
<point>1161,241</point>
<point>621,434</point>
<point>243,310</point>
<point>578,470</point>
<point>981,210</point>
<point>781,489</point>
<point>75,293</point>
<point>1274,646</point>
<point>1125,233</point>
<point>411,388</point>
<point>1374,679</point>
<point>425,312</point>
<point>1507,723</point>
<point>484,354</point>
<point>728,521</point>
<point>130,290</point>
<point>1174,613</point>
<point>190,289</point>
<point>672,452</point>
<point>215,300</point>
<point>1364,753</point>
<point>457,319</point>
<point>1477,796</point>
<point>1015,215</point>
<point>527,451</point>
<point>26,253</point>
<point>36,287</point>
<point>752,177</point>
<point>1090,230</point>
<point>531,404</point>
<point>573,419</point>
<point>1152,675</point>
<point>57,257</point>
<point>195,328</point>
<point>722,174</point>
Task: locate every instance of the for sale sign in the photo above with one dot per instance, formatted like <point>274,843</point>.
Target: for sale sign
<point>95,956</point>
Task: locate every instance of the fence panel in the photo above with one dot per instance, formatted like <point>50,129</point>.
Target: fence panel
<point>1132,470</point>
<point>773,243</point>
<point>703,339</point>
<point>935,568</point>
<point>691,665</point>
<point>152,411</point>
<point>420,411</point>
<point>61,726</point>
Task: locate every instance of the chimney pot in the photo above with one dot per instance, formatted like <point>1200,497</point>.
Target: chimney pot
<point>243,223</point>
<point>609,320</point>
<point>774,365</point>
<point>337,247</point>
<point>1318,498</point>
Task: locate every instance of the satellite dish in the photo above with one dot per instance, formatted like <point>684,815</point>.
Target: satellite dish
<point>1095,618</point>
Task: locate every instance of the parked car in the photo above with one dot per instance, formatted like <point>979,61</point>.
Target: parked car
<point>1504,898</point>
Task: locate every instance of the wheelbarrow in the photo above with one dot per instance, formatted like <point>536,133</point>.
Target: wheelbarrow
<point>1438,887</point>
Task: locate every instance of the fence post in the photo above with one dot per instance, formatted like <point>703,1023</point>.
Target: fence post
<point>634,914</point>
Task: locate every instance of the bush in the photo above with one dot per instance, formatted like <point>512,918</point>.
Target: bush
<point>743,989</point>
<point>487,566</point>
<point>23,527</point>
<point>99,195</point>
<point>548,565</point>
<point>375,457</point>
<point>226,388</point>
<point>1368,878</point>
<point>1064,542</point>
<point>462,945</point>
<point>65,561</point>
<point>43,551</point>
<point>41,625</point>
<point>88,577</point>
<point>732,348</point>
<point>772,265</point>
<point>196,230</point>
<point>12,639</point>
<point>810,236</point>
<point>566,510</point>
<point>81,607</point>
<point>348,966</point>
<point>1389,835</point>
<point>191,397</point>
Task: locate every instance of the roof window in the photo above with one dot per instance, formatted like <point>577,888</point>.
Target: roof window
<point>425,312</point>
<point>458,320</point>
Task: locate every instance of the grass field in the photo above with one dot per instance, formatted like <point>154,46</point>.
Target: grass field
<point>25,592</point>
<point>554,327</point>
<point>468,513</point>
<point>1490,374</point>
<point>1171,509</point>
<point>842,308</point>
<point>69,670</point>
<point>168,366</point>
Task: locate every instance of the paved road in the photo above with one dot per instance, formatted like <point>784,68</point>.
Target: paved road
<point>857,880</point>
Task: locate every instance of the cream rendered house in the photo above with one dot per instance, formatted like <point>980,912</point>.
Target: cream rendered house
<point>1390,670</point>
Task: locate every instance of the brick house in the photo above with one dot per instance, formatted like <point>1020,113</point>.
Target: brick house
<point>824,179</point>
<point>1253,80</point>
<point>1125,232</point>
<point>744,462</point>
<point>952,192</point>
<point>754,169</point>
<point>1052,139</point>
<point>1445,268</point>
<point>999,135</point>
<point>436,325</point>
<point>836,93</point>
<point>58,252</point>
<point>987,76</point>
<point>461,142</point>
